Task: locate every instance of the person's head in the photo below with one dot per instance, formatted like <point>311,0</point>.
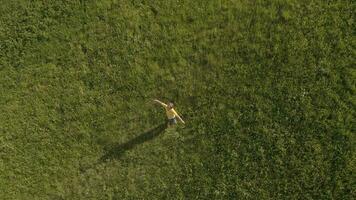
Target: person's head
<point>170,105</point>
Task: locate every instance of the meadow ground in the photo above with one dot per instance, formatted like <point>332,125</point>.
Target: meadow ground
<point>267,88</point>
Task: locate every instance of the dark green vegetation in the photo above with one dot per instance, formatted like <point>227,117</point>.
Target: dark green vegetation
<point>267,88</point>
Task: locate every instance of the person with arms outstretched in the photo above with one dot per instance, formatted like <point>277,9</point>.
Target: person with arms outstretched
<point>172,115</point>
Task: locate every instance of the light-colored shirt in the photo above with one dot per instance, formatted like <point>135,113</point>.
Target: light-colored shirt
<point>171,113</point>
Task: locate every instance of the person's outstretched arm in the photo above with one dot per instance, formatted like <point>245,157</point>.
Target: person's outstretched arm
<point>179,118</point>
<point>163,104</point>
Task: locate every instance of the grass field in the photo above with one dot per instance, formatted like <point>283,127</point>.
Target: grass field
<point>266,87</point>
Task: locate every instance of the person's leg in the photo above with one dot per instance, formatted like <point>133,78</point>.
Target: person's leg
<point>174,121</point>
<point>171,122</point>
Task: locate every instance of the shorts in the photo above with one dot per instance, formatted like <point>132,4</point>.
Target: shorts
<point>172,121</point>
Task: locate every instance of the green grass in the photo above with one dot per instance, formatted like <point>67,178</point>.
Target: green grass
<point>267,89</point>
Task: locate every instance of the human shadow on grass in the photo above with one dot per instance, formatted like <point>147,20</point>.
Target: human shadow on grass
<point>118,150</point>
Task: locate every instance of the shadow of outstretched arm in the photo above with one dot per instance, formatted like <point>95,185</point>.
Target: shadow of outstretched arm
<point>119,149</point>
